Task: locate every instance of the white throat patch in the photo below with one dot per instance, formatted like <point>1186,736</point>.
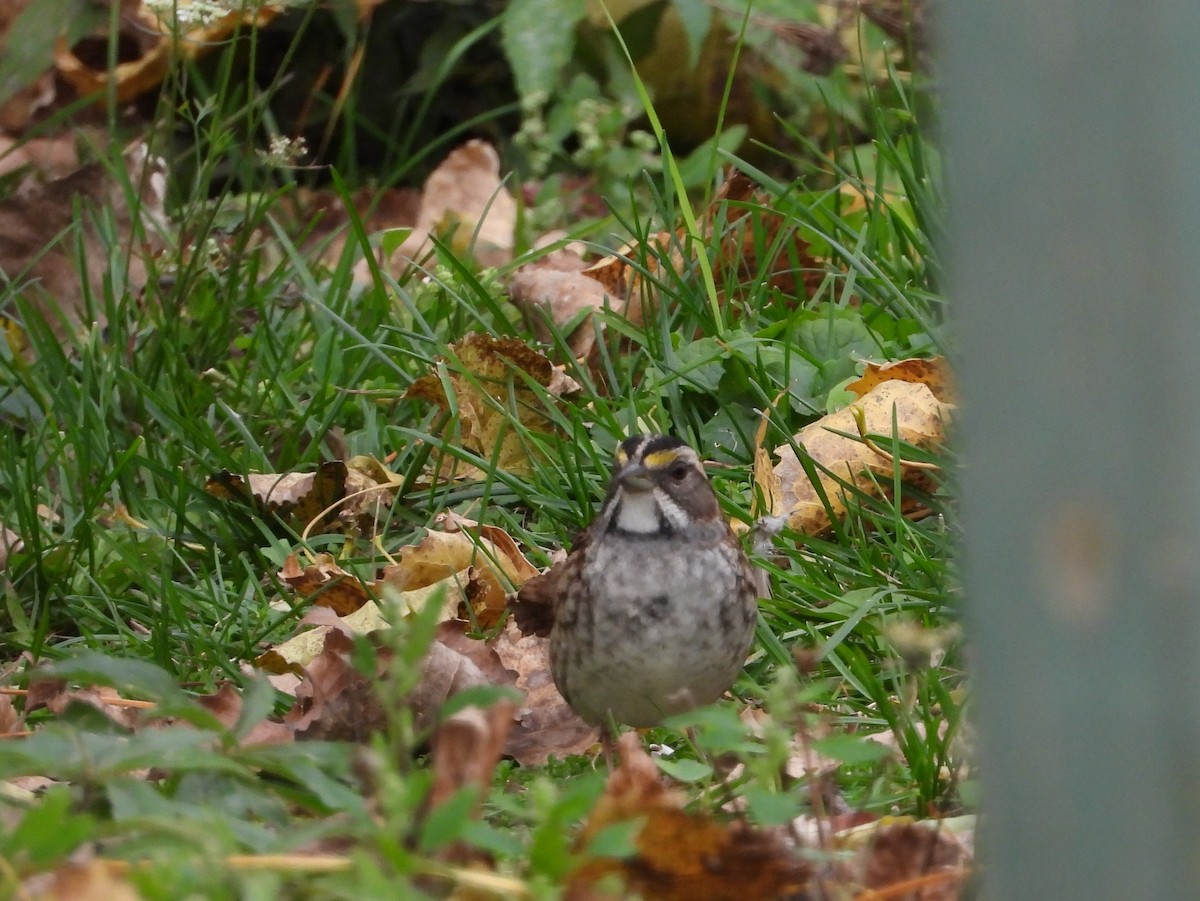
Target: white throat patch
<point>639,512</point>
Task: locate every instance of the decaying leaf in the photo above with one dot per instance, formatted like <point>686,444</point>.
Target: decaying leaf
<point>752,247</point>
<point>756,245</point>
<point>544,723</point>
<point>454,664</point>
<point>335,701</point>
<point>564,297</point>
<point>325,584</point>
<point>10,720</point>
<point>83,880</point>
<point>932,373</point>
<point>297,652</point>
<point>682,856</point>
<point>489,380</point>
<point>839,460</point>
<point>466,749</point>
<point>10,543</point>
<point>155,45</point>
<point>465,203</point>
<point>37,228</point>
<point>226,706</point>
<point>338,497</point>
<point>904,859</point>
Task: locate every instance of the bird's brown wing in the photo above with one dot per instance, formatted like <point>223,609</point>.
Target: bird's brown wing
<point>535,605</point>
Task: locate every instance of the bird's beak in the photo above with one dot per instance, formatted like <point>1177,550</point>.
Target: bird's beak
<point>635,477</point>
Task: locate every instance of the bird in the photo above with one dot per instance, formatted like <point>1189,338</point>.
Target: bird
<point>652,612</point>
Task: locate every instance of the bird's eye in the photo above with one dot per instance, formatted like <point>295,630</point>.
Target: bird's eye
<point>679,471</point>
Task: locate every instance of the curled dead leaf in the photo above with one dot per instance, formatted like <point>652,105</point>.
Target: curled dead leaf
<point>488,378</point>
<point>933,373</point>
<point>337,497</point>
<point>840,460</point>
<point>544,724</point>
<point>464,201</point>
<point>682,856</point>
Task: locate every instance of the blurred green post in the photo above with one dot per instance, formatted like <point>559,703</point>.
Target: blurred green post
<point>1073,139</point>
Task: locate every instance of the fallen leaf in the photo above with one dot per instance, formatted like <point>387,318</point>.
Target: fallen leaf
<point>88,880</point>
<point>932,373</point>
<point>466,204</point>
<point>10,720</point>
<point>545,724</point>
<point>494,403</point>
<point>154,44</point>
<point>293,655</point>
<point>683,856</point>
<point>335,702</point>
<point>226,706</point>
<point>920,419</point>
<point>39,222</point>
<point>337,497</point>
<point>467,747</point>
<point>924,861</point>
<point>565,299</point>
<point>325,583</point>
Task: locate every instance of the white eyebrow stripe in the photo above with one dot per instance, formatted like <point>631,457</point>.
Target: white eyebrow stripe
<point>671,511</point>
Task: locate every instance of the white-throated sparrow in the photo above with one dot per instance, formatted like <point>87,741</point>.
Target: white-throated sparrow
<point>653,611</point>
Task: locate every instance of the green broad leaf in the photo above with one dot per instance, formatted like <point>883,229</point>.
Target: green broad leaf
<point>258,701</point>
<point>486,837</point>
<point>771,808</point>
<point>444,823</point>
<point>66,753</point>
<point>699,365</point>
<point>684,770</point>
<point>49,831</point>
<point>851,749</point>
<point>479,696</point>
<point>696,16</point>
<point>618,840</point>
<point>129,677</point>
<point>391,238</point>
<point>538,36</point>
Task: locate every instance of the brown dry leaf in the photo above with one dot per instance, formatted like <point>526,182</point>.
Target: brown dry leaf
<point>325,584</point>
<point>514,563</point>
<point>51,158</point>
<point>467,747</point>
<point>298,651</point>
<point>56,695</point>
<point>750,230</point>
<point>226,706</point>
<point>151,43</point>
<point>544,723</point>
<point>454,663</point>
<point>10,543</point>
<point>334,702</point>
<point>338,497</point>
<point>488,379</point>
<point>10,720</point>
<point>465,203</point>
<point>683,856</point>
<point>751,235</point>
<point>902,860</point>
<point>546,294</point>
<point>38,227</point>
<point>921,420</point>
<point>933,373</point>
<point>90,880</point>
